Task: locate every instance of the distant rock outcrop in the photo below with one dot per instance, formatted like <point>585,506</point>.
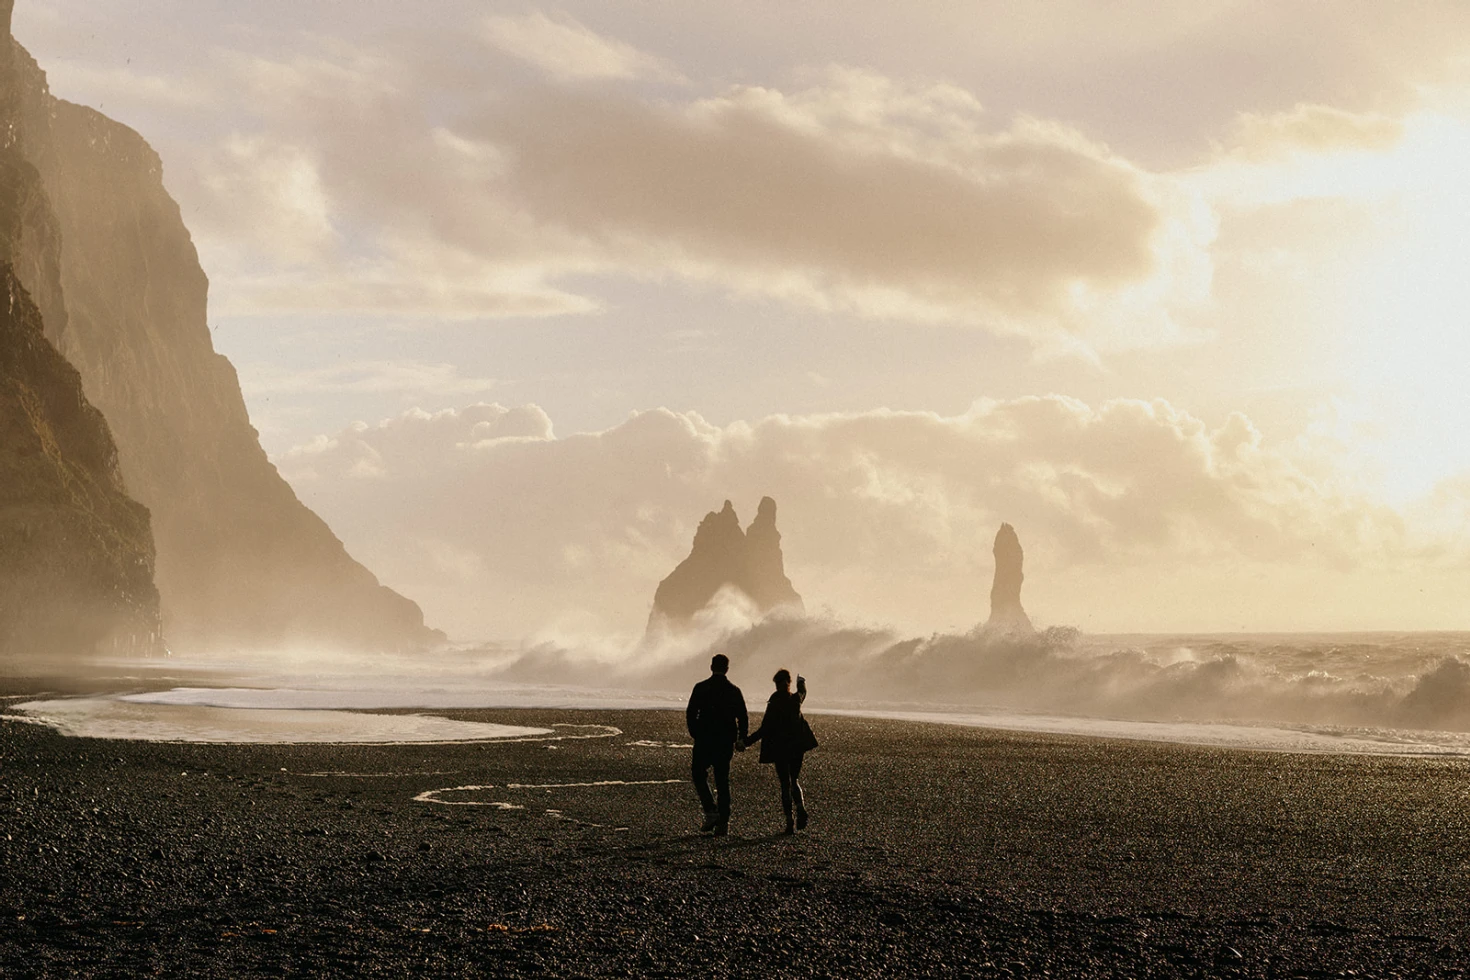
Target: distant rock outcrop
<point>724,556</point>
<point>241,561</point>
<point>1006,613</point>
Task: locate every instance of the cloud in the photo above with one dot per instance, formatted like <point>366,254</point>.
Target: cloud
<point>416,439</point>
<point>127,86</point>
<point>885,515</point>
<point>273,193</point>
<point>347,195</point>
<point>1317,152</point>
<point>378,377</point>
<point>570,51</point>
<point>363,186</point>
<point>1314,129</point>
<point>384,121</point>
<point>866,196</point>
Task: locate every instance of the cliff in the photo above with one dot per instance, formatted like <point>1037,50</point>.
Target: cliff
<point>724,556</point>
<point>241,561</point>
<point>76,554</point>
<point>1006,613</point>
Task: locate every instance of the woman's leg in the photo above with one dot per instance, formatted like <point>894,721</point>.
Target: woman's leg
<point>795,771</point>
<point>783,773</point>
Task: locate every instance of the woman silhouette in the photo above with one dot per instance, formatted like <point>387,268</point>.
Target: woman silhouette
<point>785,737</point>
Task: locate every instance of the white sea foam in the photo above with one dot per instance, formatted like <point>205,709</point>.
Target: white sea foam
<point>119,719</point>
<point>1240,736</point>
<point>472,796</point>
<point>372,695</point>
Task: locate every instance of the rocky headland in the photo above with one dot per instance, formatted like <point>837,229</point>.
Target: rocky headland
<point>76,551</point>
<point>99,245</point>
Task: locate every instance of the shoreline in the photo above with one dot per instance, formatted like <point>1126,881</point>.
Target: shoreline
<point>292,704</point>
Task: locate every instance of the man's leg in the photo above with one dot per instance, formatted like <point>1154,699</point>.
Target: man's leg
<point>699,770</point>
<point>721,763</point>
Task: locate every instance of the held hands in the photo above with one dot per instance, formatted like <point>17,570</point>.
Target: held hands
<point>740,745</point>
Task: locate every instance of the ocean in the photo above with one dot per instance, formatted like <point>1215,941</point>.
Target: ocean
<point>1371,693</point>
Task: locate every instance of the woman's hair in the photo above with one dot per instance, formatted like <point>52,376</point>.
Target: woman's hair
<point>782,678</point>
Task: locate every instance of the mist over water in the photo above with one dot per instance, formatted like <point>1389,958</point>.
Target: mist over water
<point>1414,681</point>
<point>1372,692</point>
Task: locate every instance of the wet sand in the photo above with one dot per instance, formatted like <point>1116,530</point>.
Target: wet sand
<point>933,851</point>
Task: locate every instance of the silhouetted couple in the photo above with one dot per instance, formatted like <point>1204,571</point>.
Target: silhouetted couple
<point>717,722</point>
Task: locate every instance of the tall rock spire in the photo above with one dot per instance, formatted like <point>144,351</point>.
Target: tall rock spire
<point>765,578</point>
<point>1006,613</point>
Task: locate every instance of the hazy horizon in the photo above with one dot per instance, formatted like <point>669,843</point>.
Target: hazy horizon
<point>517,296</point>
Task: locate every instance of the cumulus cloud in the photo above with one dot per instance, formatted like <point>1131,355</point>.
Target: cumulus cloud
<point>570,51</point>
<point>379,377</point>
<point>866,196</point>
<point>364,186</point>
<point>349,196</point>
<point>500,527</point>
<point>1315,129</point>
<point>1314,152</point>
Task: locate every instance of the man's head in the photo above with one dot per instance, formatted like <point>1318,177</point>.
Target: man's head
<point>719,664</point>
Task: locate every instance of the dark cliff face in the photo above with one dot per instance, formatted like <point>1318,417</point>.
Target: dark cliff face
<point>724,556</point>
<point>1005,591</point>
<point>76,555</point>
<point>241,562</point>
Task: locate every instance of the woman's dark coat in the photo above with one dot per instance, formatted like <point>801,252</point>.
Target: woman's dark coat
<point>784,733</point>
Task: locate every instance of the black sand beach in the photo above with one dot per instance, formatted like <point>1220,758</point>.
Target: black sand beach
<point>933,851</point>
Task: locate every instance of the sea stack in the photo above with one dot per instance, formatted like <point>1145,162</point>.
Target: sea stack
<point>765,567</point>
<point>723,556</point>
<point>1006,614</point>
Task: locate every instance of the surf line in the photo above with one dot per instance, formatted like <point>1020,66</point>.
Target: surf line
<point>373,775</point>
<point>558,815</point>
<point>601,731</point>
<point>428,796</point>
<point>432,795</point>
<point>600,782</point>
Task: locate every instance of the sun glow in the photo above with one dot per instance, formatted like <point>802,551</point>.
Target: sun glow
<point>1406,350</point>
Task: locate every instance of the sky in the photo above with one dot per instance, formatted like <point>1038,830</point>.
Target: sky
<point>518,292</point>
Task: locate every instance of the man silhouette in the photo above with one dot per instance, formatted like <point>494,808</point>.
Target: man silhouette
<point>717,723</point>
